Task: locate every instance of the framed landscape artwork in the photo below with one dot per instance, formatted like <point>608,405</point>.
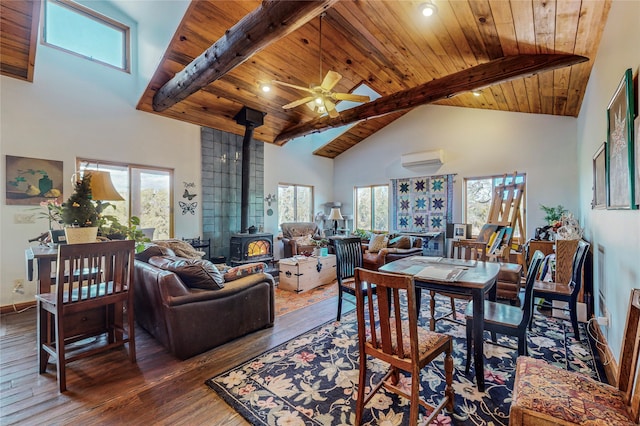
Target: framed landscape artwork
<point>619,148</point>
<point>599,179</point>
<point>30,181</point>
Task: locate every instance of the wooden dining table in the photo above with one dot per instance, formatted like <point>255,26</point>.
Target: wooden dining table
<point>43,256</point>
<point>477,280</point>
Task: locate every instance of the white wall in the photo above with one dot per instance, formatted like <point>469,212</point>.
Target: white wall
<point>475,143</point>
<point>615,231</point>
<point>76,108</point>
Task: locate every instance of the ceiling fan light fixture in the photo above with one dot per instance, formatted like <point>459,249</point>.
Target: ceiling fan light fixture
<point>319,100</point>
<point>264,87</point>
<point>428,9</point>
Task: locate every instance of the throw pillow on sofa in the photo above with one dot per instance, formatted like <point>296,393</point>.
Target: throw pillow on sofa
<point>151,250</point>
<point>194,273</point>
<point>244,270</point>
<point>400,242</point>
<point>305,240</point>
<point>378,242</point>
<point>181,248</point>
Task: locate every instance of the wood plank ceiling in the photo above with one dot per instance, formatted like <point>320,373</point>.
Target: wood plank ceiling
<point>18,38</point>
<point>389,46</point>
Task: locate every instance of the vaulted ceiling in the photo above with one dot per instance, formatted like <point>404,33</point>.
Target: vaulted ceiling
<point>386,44</point>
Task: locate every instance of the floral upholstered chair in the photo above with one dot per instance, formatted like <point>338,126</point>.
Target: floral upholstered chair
<point>544,394</point>
<point>297,236</point>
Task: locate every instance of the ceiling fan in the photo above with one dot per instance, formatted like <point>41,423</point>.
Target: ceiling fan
<point>321,98</point>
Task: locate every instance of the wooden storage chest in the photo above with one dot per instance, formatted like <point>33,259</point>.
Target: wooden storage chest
<point>300,273</point>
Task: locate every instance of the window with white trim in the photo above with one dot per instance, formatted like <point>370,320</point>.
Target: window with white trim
<point>372,207</point>
<point>295,203</point>
<point>81,31</point>
<point>147,193</point>
<point>478,196</point>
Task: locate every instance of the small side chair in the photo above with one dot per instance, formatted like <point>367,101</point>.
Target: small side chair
<point>348,258</point>
<point>94,283</point>
<point>500,318</point>
<point>384,334</point>
<point>566,292</point>
<point>544,394</point>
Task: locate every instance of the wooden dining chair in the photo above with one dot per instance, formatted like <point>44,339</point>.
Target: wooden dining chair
<point>385,335</point>
<point>348,258</point>
<point>544,394</point>
<point>566,292</point>
<point>500,318</point>
<point>88,305</point>
<point>461,250</point>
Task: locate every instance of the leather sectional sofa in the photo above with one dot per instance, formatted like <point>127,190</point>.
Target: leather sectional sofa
<point>397,247</point>
<point>189,321</point>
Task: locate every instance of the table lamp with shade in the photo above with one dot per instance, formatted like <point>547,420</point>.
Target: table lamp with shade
<point>335,215</point>
<point>102,188</point>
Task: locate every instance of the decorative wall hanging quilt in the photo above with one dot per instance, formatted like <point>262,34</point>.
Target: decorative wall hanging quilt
<point>422,204</point>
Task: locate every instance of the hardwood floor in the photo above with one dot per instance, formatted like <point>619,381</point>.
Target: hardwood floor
<point>107,389</point>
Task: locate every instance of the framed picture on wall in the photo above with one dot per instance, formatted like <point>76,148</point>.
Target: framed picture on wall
<point>636,147</point>
<point>29,181</point>
<point>599,179</point>
<point>619,148</point>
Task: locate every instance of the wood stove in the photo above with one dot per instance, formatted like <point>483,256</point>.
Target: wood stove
<point>247,248</point>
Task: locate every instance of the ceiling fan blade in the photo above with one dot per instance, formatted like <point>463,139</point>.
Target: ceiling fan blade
<point>350,97</point>
<point>330,107</point>
<point>293,86</point>
<point>330,80</point>
<point>298,102</point>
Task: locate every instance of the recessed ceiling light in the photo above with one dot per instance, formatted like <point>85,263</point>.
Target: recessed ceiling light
<point>265,87</point>
<point>428,9</point>
<point>476,92</point>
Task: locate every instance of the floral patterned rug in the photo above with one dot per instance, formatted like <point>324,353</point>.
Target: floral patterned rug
<point>289,301</point>
<point>312,379</point>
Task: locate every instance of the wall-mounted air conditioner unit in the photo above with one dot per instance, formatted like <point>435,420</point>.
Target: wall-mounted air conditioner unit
<point>424,158</point>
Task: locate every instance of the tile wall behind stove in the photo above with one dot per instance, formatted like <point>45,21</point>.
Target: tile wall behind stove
<point>222,187</point>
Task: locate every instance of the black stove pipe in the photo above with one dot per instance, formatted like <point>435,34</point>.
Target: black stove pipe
<point>250,118</point>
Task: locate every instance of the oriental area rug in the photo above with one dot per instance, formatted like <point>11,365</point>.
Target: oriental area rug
<point>313,378</point>
<point>289,301</point>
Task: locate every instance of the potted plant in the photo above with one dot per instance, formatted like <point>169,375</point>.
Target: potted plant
<point>321,246</point>
<point>117,231</point>
<point>79,213</point>
<point>553,214</point>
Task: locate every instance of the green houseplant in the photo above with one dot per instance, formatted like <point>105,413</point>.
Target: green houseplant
<point>553,215</point>
<point>79,213</point>
<point>79,210</point>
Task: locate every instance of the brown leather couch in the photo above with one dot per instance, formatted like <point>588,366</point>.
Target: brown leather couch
<point>373,261</point>
<point>189,321</point>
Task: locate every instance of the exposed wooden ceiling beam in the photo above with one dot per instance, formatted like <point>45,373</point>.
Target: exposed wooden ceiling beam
<point>483,75</point>
<point>268,23</point>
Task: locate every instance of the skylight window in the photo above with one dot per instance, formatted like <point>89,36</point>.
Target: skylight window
<point>84,32</point>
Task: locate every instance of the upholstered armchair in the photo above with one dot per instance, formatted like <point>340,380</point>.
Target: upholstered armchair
<point>383,249</point>
<point>296,236</point>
